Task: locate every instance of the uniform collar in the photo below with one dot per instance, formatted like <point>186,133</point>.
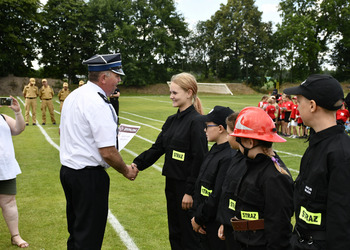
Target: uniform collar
<point>219,147</point>
<point>331,131</point>
<point>258,158</point>
<point>186,111</point>
<point>96,88</point>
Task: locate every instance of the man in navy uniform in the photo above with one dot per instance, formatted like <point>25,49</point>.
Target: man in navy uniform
<point>88,133</point>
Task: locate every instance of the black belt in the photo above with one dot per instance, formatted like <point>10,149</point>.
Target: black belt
<point>88,168</point>
<point>31,97</point>
<point>309,236</point>
<point>47,99</point>
<point>95,167</point>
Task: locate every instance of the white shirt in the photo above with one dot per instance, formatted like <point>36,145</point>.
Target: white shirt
<point>87,124</point>
<point>9,167</point>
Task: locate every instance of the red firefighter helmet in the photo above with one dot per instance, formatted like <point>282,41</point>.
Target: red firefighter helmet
<point>255,123</point>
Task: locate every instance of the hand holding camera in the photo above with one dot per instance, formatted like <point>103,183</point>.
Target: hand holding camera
<point>5,101</point>
<point>11,102</point>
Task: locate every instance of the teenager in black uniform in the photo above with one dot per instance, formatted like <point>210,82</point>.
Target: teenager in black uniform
<point>184,144</point>
<point>234,173</point>
<point>211,175</point>
<point>263,197</point>
<point>321,196</point>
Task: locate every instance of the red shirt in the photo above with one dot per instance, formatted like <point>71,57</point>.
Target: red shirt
<point>270,110</point>
<point>343,114</point>
<point>294,111</point>
<point>297,116</point>
<point>263,105</point>
<point>288,105</point>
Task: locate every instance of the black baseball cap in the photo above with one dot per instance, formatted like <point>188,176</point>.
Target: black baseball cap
<point>325,90</point>
<point>218,115</point>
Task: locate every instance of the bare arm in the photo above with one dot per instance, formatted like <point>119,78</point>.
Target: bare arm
<point>16,125</point>
<point>113,158</point>
<point>115,95</point>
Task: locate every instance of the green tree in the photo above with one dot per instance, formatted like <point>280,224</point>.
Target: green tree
<point>18,28</point>
<point>339,22</point>
<point>304,35</point>
<point>150,35</point>
<point>67,36</point>
<point>197,50</point>
<point>237,42</point>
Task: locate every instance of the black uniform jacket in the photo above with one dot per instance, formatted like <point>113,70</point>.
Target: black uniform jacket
<point>209,182</point>
<point>265,193</point>
<point>115,99</point>
<point>322,188</point>
<point>233,175</point>
<point>184,143</point>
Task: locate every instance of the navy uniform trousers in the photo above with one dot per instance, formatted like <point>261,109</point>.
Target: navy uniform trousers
<point>86,193</point>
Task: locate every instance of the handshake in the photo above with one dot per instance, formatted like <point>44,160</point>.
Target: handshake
<point>132,172</point>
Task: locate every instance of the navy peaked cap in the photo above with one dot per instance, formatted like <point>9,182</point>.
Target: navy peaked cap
<point>111,62</point>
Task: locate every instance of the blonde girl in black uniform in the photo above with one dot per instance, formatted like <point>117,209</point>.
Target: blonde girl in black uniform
<point>184,143</point>
<point>263,197</point>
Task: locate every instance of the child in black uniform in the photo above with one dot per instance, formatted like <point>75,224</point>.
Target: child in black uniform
<point>263,196</point>
<point>232,176</point>
<point>321,197</point>
<point>211,175</point>
<point>184,144</point>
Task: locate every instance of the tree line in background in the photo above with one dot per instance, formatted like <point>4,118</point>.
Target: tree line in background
<point>155,41</point>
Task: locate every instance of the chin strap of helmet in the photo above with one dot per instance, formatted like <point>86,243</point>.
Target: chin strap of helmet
<point>246,150</point>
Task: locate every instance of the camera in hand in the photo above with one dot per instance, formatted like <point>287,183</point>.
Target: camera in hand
<point>5,101</point>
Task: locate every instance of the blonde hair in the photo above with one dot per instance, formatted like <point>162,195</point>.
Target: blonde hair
<point>188,82</point>
<point>265,147</point>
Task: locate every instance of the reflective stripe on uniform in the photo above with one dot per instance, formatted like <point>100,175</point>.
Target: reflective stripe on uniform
<point>180,156</point>
<point>205,191</point>
<point>232,204</point>
<point>248,215</point>
<point>309,217</point>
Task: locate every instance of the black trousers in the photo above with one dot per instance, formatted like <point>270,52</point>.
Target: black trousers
<point>115,104</point>
<point>181,234</point>
<point>230,241</point>
<point>298,244</point>
<point>211,241</point>
<point>86,194</point>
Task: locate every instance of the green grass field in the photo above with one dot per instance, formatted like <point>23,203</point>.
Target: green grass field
<point>139,206</point>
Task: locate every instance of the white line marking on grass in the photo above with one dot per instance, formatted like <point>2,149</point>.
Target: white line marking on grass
<point>226,102</point>
<point>57,112</point>
<point>148,99</point>
<point>48,138</point>
<point>140,123</point>
<point>283,152</point>
<point>143,138</point>
<point>142,117</point>
<point>293,170</point>
<point>135,155</point>
<point>124,236</point>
